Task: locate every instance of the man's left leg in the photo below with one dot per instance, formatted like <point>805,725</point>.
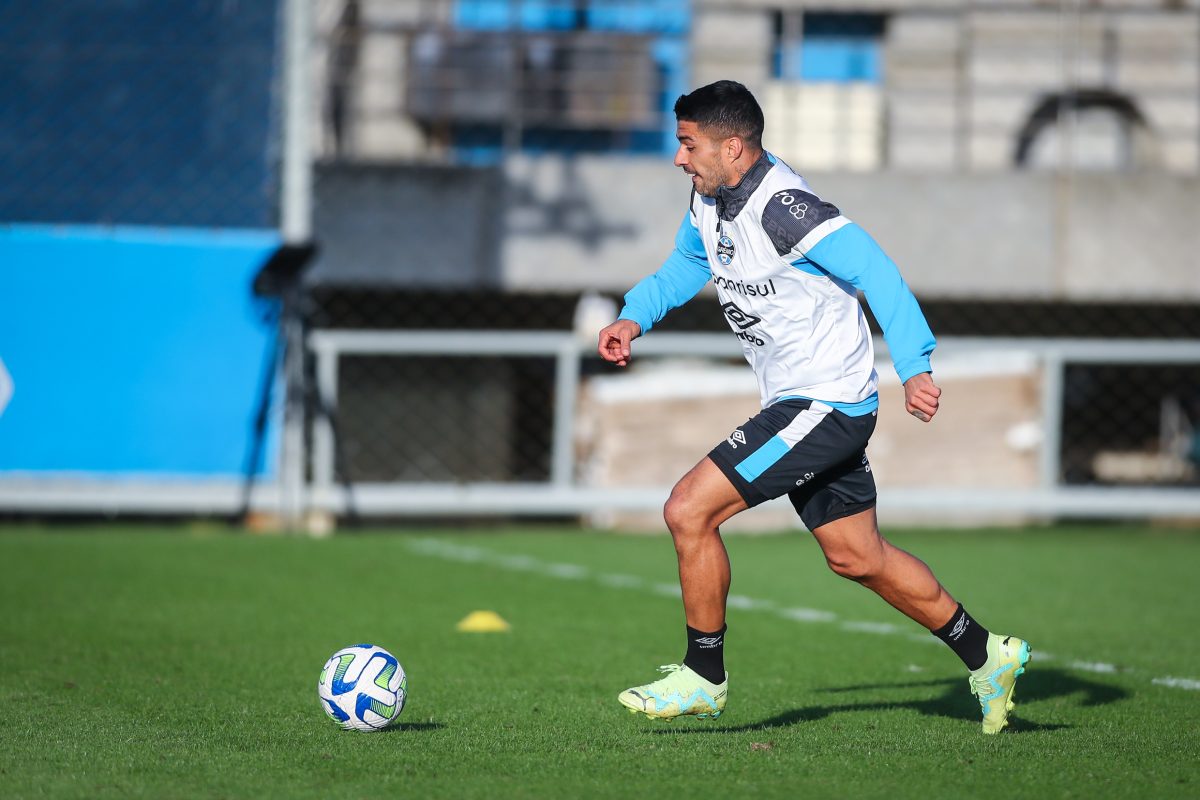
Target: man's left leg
<point>855,549</point>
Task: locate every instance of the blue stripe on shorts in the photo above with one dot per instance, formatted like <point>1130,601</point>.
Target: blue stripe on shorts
<point>763,459</point>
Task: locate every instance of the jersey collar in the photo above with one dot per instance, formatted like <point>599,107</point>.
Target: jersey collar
<point>732,199</point>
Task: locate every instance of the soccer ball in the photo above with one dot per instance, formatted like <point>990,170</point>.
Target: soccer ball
<point>363,688</point>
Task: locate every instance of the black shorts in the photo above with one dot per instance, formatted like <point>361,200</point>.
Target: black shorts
<point>807,450</point>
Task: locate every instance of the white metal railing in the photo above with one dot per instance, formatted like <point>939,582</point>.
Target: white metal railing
<point>562,495</point>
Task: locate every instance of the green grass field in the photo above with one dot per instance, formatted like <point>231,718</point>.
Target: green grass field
<point>155,662</point>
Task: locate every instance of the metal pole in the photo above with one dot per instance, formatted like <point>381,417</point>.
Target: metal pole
<point>1050,460</point>
<point>296,228</point>
<point>964,91</point>
<point>292,500</point>
<point>1067,121</point>
<point>323,447</point>
<point>296,193</point>
<point>566,391</point>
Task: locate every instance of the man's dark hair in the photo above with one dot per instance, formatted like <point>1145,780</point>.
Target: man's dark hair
<point>723,109</point>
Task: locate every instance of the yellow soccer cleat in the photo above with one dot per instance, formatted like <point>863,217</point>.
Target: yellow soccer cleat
<point>995,681</point>
<point>681,692</point>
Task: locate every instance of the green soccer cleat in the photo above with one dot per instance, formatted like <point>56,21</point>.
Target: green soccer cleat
<point>995,681</point>
<point>680,693</point>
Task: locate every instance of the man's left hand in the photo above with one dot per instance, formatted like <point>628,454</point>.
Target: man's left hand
<point>921,396</point>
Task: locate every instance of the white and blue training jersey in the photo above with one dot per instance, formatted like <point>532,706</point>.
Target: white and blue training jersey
<point>787,268</point>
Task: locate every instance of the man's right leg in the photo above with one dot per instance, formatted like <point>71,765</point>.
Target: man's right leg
<point>701,500</point>
<point>767,456</point>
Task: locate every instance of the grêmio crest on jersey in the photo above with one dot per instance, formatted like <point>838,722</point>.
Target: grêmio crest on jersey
<point>725,250</point>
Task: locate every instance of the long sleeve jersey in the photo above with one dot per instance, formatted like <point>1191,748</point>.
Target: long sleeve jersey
<point>787,268</point>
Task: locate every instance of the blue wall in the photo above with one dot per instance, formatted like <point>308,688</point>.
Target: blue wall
<point>131,351</point>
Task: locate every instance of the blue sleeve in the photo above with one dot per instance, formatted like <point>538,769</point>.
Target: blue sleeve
<point>680,278</point>
<point>851,254</point>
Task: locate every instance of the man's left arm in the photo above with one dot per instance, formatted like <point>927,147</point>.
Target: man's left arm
<point>811,232</point>
<point>849,253</point>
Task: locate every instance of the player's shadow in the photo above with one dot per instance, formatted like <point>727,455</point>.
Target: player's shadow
<point>954,702</point>
<point>411,727</point>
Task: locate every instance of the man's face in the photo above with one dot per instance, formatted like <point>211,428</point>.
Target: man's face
<point>701,157</point>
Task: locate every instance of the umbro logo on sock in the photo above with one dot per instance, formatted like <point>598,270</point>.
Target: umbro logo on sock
<point>959,627</point>
<point>707,642</point>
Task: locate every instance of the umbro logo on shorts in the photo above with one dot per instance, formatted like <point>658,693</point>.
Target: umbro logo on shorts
<point>736,438</point>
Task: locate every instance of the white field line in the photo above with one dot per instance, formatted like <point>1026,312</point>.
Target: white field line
<point>1178,683</point>
<point>468,554</point>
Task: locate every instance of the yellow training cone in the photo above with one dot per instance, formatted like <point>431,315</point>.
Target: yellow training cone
<point>483,622</point>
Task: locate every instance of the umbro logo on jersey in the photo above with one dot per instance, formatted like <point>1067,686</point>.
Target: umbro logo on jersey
<point>736,438</point>
<point>741,320</point>
<point>738,317</point>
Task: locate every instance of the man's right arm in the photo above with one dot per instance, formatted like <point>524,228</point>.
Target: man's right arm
<point>681,277</point>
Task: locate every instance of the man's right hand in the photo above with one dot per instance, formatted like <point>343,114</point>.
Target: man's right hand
<point>615,339</point>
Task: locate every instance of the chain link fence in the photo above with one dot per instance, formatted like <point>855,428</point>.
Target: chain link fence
<point>139,113</point>
<point>1034,170</point>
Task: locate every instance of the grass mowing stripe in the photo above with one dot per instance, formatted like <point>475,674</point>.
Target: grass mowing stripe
<point>525,563</point>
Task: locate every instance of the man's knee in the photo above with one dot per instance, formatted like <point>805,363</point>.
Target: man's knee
<point>853,546</point>
<point>687,515</point>
<point>701,501</point>
<point>856,565</point>
<point>680,514</point>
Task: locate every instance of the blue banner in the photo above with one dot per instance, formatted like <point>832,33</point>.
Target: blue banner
<point>131,350</point>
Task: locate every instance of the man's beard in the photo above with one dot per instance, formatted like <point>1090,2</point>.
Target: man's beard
<point>707,187</point>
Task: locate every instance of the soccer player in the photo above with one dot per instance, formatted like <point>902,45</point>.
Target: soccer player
<point>788,267</point>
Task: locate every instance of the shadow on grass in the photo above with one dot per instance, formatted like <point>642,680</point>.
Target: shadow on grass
<point>411,727</point>
<point>954,702</point>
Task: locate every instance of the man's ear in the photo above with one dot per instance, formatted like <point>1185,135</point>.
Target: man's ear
<point>734,147</point>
